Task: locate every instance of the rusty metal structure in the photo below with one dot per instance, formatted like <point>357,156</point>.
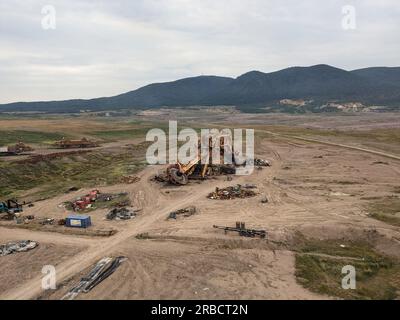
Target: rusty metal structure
<point>70,144</point>
<point>180,173</point>
<point>243,232</point>
<point>98,273</point>
<point>16,149</point>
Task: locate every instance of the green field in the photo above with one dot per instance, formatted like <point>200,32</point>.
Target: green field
<point>133,133</point>
<point>14,136</point>
<point>386,209</point>
<point>47,178</point>
<point>115,135</point>
<point>319,266</point>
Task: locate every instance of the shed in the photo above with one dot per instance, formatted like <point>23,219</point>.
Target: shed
<point>78,221</point>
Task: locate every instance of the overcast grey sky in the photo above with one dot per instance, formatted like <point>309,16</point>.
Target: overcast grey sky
<point>103,48</point>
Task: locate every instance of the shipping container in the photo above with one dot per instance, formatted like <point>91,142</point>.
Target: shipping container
<point>78,221</point>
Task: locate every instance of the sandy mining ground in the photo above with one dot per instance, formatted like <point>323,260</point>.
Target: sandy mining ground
<point>196,269</point>
<point>313,188</point>
<point>18,268</point>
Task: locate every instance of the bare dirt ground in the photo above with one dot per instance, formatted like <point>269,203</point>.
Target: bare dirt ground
<point>197,269</point>
<point>314,188</point>
<point>17,269</point>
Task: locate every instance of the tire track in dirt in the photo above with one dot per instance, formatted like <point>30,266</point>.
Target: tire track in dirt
<point>340,145</point>
<point>7,234</point>
<point>156,207</point>
<point>157,210</point>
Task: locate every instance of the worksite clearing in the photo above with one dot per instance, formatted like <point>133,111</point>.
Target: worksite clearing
<point>285,232</point>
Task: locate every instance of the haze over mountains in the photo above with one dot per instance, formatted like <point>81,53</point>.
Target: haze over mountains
<point>320,83</point>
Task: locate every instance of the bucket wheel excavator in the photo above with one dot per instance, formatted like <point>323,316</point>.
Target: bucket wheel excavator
<point>179,173</point>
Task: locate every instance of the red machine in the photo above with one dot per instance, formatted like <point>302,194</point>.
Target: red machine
<point>84,202</point>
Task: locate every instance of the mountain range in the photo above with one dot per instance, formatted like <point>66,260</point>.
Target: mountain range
<point>320,83</point>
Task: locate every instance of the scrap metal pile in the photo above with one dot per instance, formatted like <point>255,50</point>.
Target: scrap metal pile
<point>17,246</point>
<point>243,232</point>
<point>101,271</point>
<point>261,163</point>
<point>121,214</point>
<point>187,212</point>
<point>42,221</point>
<point>47,221</point>
<point>230,193</point>
<point>10,209</point>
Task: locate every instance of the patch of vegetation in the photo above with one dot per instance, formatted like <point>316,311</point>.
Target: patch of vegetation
<point>114,135</point>
<point>132,133</point>
<point>344,182</point>
<point>143,236</point>
<point>14,136</point>
<point>396,189</point>
<point>319,266</point>
<point>386,209</point>
<point>47,178</point>
<point>122,200</point>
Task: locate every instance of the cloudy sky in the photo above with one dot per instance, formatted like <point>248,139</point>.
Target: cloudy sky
<point>105,47</point>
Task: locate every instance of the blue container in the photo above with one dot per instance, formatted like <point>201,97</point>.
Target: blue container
<point>78,221</point>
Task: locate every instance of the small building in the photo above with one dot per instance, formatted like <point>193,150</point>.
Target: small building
<point>78,221</point>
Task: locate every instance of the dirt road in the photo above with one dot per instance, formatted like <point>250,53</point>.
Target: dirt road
<point>321,194</point>
<point>340,145</point>
<point>156,210</point>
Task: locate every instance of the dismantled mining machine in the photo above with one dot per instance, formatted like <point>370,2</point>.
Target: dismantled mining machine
<point>179,173</point>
